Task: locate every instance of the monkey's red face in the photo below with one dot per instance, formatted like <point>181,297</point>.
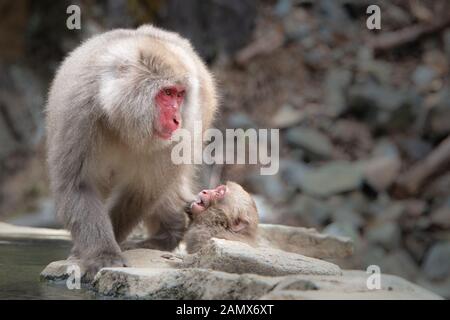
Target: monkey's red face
<point>208,197</point>
<point>168,102</point>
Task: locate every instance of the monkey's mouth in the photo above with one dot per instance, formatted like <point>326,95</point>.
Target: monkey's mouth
<point>200,204</point>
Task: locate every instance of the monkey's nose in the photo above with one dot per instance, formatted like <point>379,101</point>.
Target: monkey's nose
<point>176,119</point>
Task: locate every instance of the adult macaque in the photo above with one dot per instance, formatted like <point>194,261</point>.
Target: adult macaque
<point>113,107</point>
<point>226,212</point>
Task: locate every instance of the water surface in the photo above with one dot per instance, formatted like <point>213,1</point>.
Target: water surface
<point>21,262</point>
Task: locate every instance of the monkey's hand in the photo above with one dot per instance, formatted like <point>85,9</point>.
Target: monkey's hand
<point>104,260</point>
<point>187,209</point>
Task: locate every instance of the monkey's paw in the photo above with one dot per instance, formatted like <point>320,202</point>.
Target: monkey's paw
<point>130,245</point>
<point>104,260</point>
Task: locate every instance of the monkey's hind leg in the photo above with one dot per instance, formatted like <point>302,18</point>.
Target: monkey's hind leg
<point>166,228</point>
<point>126,212</point>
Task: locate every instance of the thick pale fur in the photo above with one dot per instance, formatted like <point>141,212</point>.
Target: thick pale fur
<point>107,169</point>
<point>237,207</point>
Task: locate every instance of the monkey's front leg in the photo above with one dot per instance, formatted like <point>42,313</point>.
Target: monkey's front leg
<point>91,229</point>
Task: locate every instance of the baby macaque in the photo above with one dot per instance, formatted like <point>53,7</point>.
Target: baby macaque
<point>226,212</point>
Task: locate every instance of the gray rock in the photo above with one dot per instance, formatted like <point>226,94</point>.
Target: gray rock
<point>315,143</point>
<point>332,178</point>
<point>237,257</point>
<point>353,286</point>
<point>400,263</point>
<point>385,148</point>
<point>447,42</point>
<point>438,188</point>
<point>304,241</point>
<point>311,211</point>
<point>153,283</point>
<point>145,283</point>
<point>283,7</point>
<point>239,120</point>
<point>423,75</point>
<point>286,117</point>
<point>383,106</point>
<point>137,258</point>
<point>270,186</point>
<point>385,233</point>
<point>292,172</point>
<point>336,83</point>
<point>441,215</point>
<point>415,148</point>
<point>441,288</point>
<point>381,172</point>
<point>436,265</point>
<point>342,229</point>
<point>227,26</point>
<point>346,214</point>
<point>438,119</point>
<point>386,209</point>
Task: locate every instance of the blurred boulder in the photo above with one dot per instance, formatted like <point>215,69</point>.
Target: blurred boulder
<point>239,120</point>
<point>305,241</point>
<point>436,265</point>
<point>441,215</point>
<point>213,26</point>
<point>381,172</point>
<point>399,263</point>
<point>343,229</point>
<point>385,233</point>
<point>352,137</point>
<point>415,148</point>
<point>311,211</point>
<point>337,81</point>
<point>423,75</point>
<point>332,178</point>
<point>21,118</point>
<point>383,106</point>
<point>438,119</point>
<point>286,116</point>
<point>270,186</point>
<point>316,144</point>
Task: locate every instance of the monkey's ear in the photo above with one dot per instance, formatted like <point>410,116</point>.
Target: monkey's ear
<point>239,224</point>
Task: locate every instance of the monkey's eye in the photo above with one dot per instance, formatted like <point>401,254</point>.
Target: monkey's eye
<point>168,92</point>
<point>180,94</point>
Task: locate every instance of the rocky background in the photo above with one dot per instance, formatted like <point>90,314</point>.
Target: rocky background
<point>364,114</point>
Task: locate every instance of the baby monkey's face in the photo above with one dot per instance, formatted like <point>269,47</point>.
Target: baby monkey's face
<point>228,202</point>
<point>226,212</point>
<point>207,198</point>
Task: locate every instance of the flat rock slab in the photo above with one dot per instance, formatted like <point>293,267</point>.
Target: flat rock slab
<point>238,257</point>
<point>161,275</point>
<point>149,283</point>
<point>305,241</point>
<point>138,258</point>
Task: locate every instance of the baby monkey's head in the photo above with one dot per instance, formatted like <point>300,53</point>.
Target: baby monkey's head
<point>226,212</point>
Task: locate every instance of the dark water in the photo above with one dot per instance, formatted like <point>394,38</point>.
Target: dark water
<point>21,262</point>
